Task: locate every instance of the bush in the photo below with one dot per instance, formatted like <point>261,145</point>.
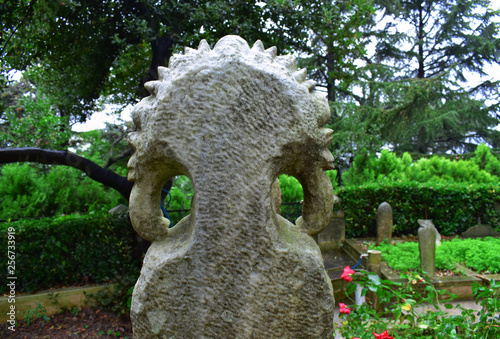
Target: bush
<point>411,308</point>
<point>291,189</point>
<point>71,250</point>
<point>30,191</point>
<point>482,168</point>
<point>453,207</point>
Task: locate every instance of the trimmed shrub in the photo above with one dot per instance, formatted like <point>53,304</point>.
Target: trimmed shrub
<point>71,250</point>
<point>30,191</point>
<point>452,207</point>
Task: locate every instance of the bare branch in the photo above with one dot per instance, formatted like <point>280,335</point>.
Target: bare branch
<point>120,156</point>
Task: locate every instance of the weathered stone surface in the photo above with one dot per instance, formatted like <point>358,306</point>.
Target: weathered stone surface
<point>119,209</point>
<point>480,231</point>
<point>232,119</point>
<point>384,223</point>
<point>427,234</point>
<point>333,235</point>
<point>276,196</point>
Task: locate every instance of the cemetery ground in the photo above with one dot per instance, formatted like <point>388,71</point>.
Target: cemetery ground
<point>89,322</point>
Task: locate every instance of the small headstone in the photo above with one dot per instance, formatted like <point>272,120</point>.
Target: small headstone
<point>480,231</point>
<point>384,223</point>
<point>427,235</point>
<point>333,235</point>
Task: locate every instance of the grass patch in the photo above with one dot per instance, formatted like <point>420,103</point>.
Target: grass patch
<point>480,255</point>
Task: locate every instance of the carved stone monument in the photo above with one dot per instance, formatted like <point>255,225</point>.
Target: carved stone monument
<point>232,119</point>
<point>384,223</point>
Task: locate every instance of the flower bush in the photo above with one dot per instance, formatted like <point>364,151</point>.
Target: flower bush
<point>383,335</point>
<point>412,309</point>
<point>347,274</point>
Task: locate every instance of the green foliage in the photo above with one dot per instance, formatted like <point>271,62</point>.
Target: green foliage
<point>178,202</point>
<point>28,119</point>
<point>106,147</point>
<point>34,191</point>
<point>482,168</point>
<point>398,305</point>
<point>182,193</point>
<point>80,50</point>
<point>418,98</point>
<point>454,193</point>
<point>486,160</point>
<point>453,207</point>
<point>38,312</point>
<point>291,189</point>
<point>328,37</point>
<point>480,255</point>
<point>71,250</point>
<point>401,256</point>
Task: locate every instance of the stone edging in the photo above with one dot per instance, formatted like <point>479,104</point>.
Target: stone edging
<point>54,301</point>
<point>461,286</point>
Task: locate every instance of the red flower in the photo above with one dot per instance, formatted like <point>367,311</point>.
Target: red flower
<point>343,309</point>
<point>383,335</point>
<point>347,274</point>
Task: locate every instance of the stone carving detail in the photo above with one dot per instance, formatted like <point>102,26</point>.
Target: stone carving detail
<point>232,119</point>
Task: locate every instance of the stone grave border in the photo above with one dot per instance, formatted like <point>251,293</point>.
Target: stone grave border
<point>54,301</point>
<point>461,285</point>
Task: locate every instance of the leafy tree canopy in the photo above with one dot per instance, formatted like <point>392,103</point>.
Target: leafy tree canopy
<point>77,50</point>
<point>411,92</point>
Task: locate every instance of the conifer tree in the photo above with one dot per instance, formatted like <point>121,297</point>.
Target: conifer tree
<point>415,89</point>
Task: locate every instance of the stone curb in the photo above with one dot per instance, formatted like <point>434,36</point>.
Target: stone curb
<point>54,301</point>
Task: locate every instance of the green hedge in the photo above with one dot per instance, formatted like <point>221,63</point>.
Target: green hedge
<point>453,207</point>
<point>34,190</point>
<point>70,250</point>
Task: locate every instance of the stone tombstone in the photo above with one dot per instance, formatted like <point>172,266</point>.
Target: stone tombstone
<point>232,119</point>
<point>427,234</point>
<point>480,231</point>
<point>334,234</point>
<point>384,223</point>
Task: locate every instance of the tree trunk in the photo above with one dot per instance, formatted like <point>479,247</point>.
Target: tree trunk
<point>420,34</point>
<point>330,82</point>
<point>162,50</point>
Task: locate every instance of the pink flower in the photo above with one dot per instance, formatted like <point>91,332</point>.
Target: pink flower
<point>383,335</point>
<point>347,274</point>
<point>344,309</point>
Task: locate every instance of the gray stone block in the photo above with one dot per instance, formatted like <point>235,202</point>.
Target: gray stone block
<point>480,231</point>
